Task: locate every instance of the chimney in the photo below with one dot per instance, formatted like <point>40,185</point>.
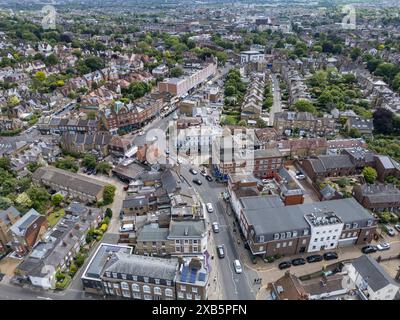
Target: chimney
<point>195,263</point>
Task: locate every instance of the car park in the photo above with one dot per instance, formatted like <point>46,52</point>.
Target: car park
<point>209,207</point>
<point>369,249</point>
<point>284,265</point>
<point>238,266</point>
<point>197,181</point>
<point>330,256</point>
<point>192,171</point>
<point>221,251</point>
<point>298,262</point>
<point>383,246</point>
<point>215,227</point>
<point>208,178</point>
<point>314,258</point>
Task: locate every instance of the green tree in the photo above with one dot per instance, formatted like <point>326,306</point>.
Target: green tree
<point>369,174</point>
<point>5,163</point>
<point>383,121</point>
<point>33,166</point>
<point>109,213</point>
<point>304,106</point>
<point>108,194</point>
<point>89,161</point>
<point>176,72</point>
<point>354,133</point>
<point>23,200</point>
<point>91,115</point>
<point>73,269</point>
<point>103,167</point>
<point>5,203</point>
<point>57,199</point>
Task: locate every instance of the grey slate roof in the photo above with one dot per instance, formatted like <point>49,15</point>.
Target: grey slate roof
<point>19,228</point>
<point>380,193</point>
<point>144,266</point>
<point>193,229</point>
<point>4,214</point>
<point>370,270</point>
<point>151,233</point>
<point>328,162</point>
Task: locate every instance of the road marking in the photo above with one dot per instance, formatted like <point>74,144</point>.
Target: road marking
<point>233,280</point>
<point>45,298</point>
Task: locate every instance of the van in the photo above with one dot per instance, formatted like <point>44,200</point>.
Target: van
<point>238,267</point>
<point>126,227</point>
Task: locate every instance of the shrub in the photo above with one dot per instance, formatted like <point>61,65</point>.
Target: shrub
<point>80,260</point>
<point>73,269</point>
<point>106,220</point>
<point>109,213</point>
<point>98,238</point>
<point>270,259</point>
<point>277,256</point>
<point>60,276</point>
<point>104,227</point>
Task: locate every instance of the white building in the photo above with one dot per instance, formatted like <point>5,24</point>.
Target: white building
<point>371,280</point>
<point>326,228</point>
<point>251,56</point>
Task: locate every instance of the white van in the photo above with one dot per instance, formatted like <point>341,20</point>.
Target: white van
<point>238,266</point>
<point>126,227</point>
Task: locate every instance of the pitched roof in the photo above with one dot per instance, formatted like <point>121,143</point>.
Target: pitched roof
<point>20,227</point>
<point>370,270</point>
<point>4,214</point>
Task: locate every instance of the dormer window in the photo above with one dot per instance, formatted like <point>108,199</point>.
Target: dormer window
<point>276,236</point>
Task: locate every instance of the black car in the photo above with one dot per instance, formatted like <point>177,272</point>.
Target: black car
<point>284,265</point>
<point>208,178</point>
<point>330,256</point>
<point>197,181</point>
<point>221,251</point>
<point>369,249</point>
<point>298,262</point>
<point>314,258</point>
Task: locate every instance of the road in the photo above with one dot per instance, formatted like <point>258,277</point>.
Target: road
<point>277,105</point>
<point>235,286</point>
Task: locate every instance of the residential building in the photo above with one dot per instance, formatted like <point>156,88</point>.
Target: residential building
<point>371,280</point>
<point>83,142</point>
<point>267,163</point>
<point>251,56</point>
<point>8,217</point>
<point>187,237</point>
<point>378,197</point>
<point>77,186</point>
<point>364,126</point>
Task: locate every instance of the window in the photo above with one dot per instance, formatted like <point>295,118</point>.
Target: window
<point>304,241</point>
<point>178,249</point>
<point>157,290</point>
<point>294,234</point>
<point>195,241</point>
<point>317,232</point>
<point>261,239</point>
<point>369,223</point>
<point>116,285</point>
<point>114,275</point>
<point>336,230</point>
<point>288,234</point>
<point>134,278</point>
<point>108,274</point>
<point>276,236</point>
<point>180,294</point>
<point>147,297</point>
<point>137,296</point>
<point>168,282</point>
<point>334,237</point>
<point>197,297</point>
<point>278,245</point>
<point>347,226</point>
<point>177,241</point>
<point>168,292</point>
<point>183,288</point>
<point>355,234</point>
<point>124,286</point>
<point>157,281</point>
<point>123,276</point>
<point>146,289</point>
<point>284,245</point>
<point>261,248</point>
<point>305,232</point>
<point>186,241</point>
<point>126,294</point>
<point>194,290</point>
<point>316,239</point>
<point>135,287</point>
<point>194,249</point>
<point>283,235</point>
<point>314,247</point>
<point>367,232</point>
<point>322,239</point>
<point>146,279</point>
<point>188,296</point>
<point>355,225</point>
<point>327,238</point>
<point>290,243</point>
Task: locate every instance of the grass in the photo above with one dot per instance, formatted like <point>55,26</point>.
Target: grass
<point>65,283</point>
<point>54,217</point>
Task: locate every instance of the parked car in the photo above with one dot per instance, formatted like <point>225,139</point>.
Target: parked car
<point>208,178</point>
<point>126,227</point>
<point>141,133</point>
<point>397,227</point>
<point>209,207</point>
<point>314,258</point>
<point>298,261</point>
<point>383,246</point>
<point>300,177</point>
<point>330,256</point>
<point>220,251</point>
<point>197,181</point>
<point>203,173</point>
<point>390,231</point>
<point>192,171</point>
<point>369,249</point>
<point>238,266</point>
<point>264,181</point>
<point>284,265</point>
<point>215,227</point>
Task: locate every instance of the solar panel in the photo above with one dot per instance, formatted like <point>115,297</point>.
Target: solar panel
<point>184,274</point>
<point>202,276</point>
<point>193,275</point>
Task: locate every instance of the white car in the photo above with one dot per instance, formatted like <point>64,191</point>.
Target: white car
<point>215,227</point>
<point>126,227</point>
<point>238,266</point>
<point>300,177</point>
<point>264,181</point>
<point>397,227</point>
<point>209,207</point>
<point>141,133</point>
<point>383,246</point>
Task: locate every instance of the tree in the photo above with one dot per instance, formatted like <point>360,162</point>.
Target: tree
<point>39,197</point>
<point>51,60</point>
<point>103,167</point>
<point>109,213</point>
<point>230,91</point>
<point>91,115</point>
<point>5,163</point>
<point>5,203</point>
<point>396,82</point>
<point>23,200</point>
<point>33,166</point>
<point>261,123</point>
<point>242,123</point>
<point>354,133</point>
<point>57,199</point>
<point>176,72</point>
<point>383,121</point>
<point>108,194</point>
<point>304,106</point>
<point>40,76</point>
<point>369,174</point>
<point>89,161</point>
<point>73,269</point>
<point>80,260</point>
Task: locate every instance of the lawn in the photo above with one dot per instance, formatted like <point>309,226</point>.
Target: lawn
<point>54,217</point>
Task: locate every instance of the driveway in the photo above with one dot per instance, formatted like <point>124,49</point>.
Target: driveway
<point>310,194</point>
